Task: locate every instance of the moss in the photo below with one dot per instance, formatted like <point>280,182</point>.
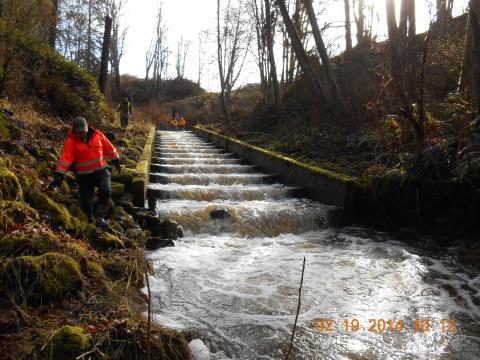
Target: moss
<point>135,237</point>
<point>68,342</point>
<point>122,268</point>
<point>77,212</point>
<point>58,214</point>
<point>130,164</point>
<point>37,279</point>
<point>75,251</point>
<point>117,190</point>
<point>13,213</point>
<point>6,162</point>
<point>125,177</point>
<point>4,133</point>
<point>107,241</point>
<point>10,188</point>
<point>117,212</point>
<point>94,270</point>
<point>30,242</point>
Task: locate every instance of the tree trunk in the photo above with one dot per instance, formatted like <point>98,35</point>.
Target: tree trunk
<point>53,25</point>
<point>2,7</point>
<point>361,21</point>
<point>392,33</point>
<point>474,52</point>
<point>348,27</point>
<point>220,65</point>
<point>271,56</point>
<point>300,53</point>
<point>322,51</point>
<point>102,78</point>
<point>89,38</point>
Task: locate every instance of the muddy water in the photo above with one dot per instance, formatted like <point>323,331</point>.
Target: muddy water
<point>234,281</point>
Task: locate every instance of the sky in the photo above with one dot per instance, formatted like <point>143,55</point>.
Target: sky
<point>188,18</point>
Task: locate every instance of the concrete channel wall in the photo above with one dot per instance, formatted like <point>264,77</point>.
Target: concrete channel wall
<point>141,178</point>
<point>319,184</point>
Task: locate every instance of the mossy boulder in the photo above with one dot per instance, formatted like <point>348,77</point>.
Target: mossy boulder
<point>168,229</point>
<point>6,163</point>
<point>130,164</point>
<point>77,212</point>
<point>123,268</point>
<point>13,213</point>
<point>59,216</point>
<point>117,190</point>
<point>107,241</point>
<point>135,237</point>
<point>68,342</point>
<point>15,132</point>
<point>39,279</point>
<point>4,133</point>
<point>125,176</point>
<point>33,242</point>
<point>75,251</point>
<point>10,188</point>
<point>154,243</point>
<point>94,270</point>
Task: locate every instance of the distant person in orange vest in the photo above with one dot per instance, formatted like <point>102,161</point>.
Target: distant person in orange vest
<point>182,123</point>
<point>86,151</point>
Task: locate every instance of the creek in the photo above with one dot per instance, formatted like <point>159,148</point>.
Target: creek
<point>233,279</point>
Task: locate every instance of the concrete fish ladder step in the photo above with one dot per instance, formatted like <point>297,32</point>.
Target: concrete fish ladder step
<point>206,179</point>
<point>247,218</point>
<point>219,169</point>
<point>214,192</point>
<point>195,161</point>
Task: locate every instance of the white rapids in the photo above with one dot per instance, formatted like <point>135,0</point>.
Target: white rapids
<point>234,281</point>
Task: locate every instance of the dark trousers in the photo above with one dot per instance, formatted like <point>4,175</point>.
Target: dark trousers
<point>124,121</point>
<point>87,183</point>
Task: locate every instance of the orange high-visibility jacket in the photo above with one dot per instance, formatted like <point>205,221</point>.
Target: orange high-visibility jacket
<point>86,158</point>
<point>182,122</point>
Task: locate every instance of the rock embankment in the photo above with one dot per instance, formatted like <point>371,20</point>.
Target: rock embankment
<point>72,288</point>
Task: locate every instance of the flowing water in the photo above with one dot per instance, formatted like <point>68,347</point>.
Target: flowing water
<point>234,281</point>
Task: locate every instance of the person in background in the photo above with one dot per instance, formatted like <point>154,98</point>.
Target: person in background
<point>86,151</point>
<point>182,123</point>
<point>125,109</point>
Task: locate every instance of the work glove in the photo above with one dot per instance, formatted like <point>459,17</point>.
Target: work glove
<point>116,163</point>
<point>57,181</point>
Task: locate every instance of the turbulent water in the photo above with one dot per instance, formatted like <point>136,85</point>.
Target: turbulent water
<point>234,281</point>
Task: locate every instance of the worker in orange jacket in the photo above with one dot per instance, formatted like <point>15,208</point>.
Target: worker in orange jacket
<point>86,152</point>
<point>182,123</point>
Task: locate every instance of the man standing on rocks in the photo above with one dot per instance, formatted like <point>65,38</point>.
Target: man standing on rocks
<point>125,110</point>
<point>86,151</point>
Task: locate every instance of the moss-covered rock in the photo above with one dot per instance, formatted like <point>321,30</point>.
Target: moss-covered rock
<point>107,241</point>
<point>6,163</point>
<point>33,242</point>
<point>118,212</point>
<point>135,238</point>
<point>77,212</point>
<point>168,229</point>
<point>130,164</point>
<point>125,177</point>
<point>117,190</point>
<point>13,213</point>
<point>122,268</point>
<point>10,188</point>
<point>94,270</point>
<point>59,216</point>
<point>15,132</point>
<point>68,342</point>
<point>4,133</point>
<point>75,251</point>
<point>37,279</point>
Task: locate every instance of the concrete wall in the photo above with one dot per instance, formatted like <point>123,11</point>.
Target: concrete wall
<point>319,184</point>
<point>140,180</point>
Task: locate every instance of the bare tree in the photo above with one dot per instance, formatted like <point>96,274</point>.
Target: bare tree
<point>322,51</point>
<point>360,21</point>
<point>182,51</point>
<point>348,27</point>
<point>102,78</point>
<point>271,55</point>
<point>444,9</point>
<point>118,40</point>
<point>258,11</point>
<point>233,40</point>
<point>300,52</point>
<point>53,24</point>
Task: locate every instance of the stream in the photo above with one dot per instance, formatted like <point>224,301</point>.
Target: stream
<point>234,280</point>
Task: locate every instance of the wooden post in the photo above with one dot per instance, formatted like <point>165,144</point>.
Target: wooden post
<point>107,37</point>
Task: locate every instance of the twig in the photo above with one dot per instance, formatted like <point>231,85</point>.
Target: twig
<point>298,310</point>
<point>149,315</point>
